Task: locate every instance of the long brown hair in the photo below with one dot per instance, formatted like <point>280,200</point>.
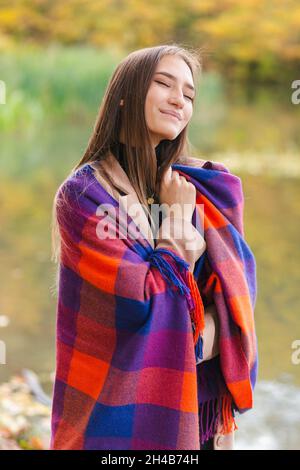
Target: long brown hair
<point>130,82</point>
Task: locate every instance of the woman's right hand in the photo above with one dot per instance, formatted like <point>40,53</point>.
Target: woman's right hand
<point>178,194</point>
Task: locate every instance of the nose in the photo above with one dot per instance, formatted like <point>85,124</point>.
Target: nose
<point>177,98</point>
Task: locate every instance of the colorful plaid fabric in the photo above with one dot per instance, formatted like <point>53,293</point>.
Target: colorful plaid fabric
<point>126,375</point>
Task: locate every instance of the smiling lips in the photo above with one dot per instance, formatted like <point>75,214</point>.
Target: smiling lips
<point>172,114</point>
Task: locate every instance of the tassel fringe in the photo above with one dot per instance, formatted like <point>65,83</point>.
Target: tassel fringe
<point>216,416</point>
<point>197,313</point>
<point>199,350</point>
<point>167,270</point>
<point>187,287</point>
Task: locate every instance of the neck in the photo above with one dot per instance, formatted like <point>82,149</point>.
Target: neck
<point>119,152</point>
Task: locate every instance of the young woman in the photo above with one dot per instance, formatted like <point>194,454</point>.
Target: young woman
<point>140,132</point>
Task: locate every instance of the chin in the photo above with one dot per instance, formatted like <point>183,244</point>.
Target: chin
<point>171,136</point>
<point>167,135</point>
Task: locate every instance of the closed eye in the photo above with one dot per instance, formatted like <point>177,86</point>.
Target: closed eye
<point>162,83</point>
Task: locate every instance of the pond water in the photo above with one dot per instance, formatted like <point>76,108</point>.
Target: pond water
<point>33,166</point>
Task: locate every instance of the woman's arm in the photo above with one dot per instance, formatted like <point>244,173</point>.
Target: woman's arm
<point>211,333</point>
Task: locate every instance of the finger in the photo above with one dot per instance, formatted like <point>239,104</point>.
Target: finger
<point>183,180</point>
<point>176,175</point>
<point>168,175</point>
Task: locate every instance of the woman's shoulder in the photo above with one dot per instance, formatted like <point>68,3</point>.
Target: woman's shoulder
<point>107,173</point>
<point>98,174</point>
<point>75,183</point>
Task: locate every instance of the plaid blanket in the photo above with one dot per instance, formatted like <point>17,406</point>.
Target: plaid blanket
<point>130,322</point>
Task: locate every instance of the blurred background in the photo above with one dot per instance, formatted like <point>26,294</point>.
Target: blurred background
<point>56,58</point>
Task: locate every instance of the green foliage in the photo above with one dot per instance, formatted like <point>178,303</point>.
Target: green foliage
<point>252,40</point>
<point>59,82</point>
<point>46,88</point>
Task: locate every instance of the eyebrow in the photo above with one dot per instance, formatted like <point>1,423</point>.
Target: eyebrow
<point>167,74</point>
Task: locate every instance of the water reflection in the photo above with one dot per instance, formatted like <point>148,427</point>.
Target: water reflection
<point>28,306</point>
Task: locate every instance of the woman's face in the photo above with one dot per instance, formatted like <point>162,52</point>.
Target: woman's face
<point>171,91</point>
